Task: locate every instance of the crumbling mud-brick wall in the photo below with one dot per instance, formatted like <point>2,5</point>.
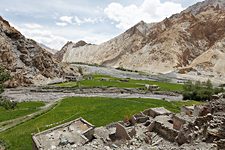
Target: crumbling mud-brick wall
<point>165,132</point>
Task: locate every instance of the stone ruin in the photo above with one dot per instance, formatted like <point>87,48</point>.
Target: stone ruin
<point>67,136</point>
<point>195,127</point>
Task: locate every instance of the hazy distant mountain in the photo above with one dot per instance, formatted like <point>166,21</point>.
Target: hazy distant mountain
<point>192,40</point>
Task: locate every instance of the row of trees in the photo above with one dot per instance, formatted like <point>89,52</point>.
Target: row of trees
<point>200,91</point>
<point>4,76</point>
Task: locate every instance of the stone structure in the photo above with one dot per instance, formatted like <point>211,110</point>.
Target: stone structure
<point>163,125</point>
<point>153,112</point>
<point>187,110</point>
<point>73,78</point>
<point>151,87</point>
<point>121,132</point>
<point>139,118</point>
<point>67,136</point>
<point>179,120</point>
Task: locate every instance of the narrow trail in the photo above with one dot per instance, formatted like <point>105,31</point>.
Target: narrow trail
<point>14,122</point>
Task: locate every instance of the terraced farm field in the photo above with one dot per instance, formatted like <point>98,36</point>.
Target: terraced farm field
<point>21,109</point>
<point>108,81</point>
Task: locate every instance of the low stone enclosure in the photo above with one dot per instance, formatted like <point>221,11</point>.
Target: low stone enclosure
<point>65,136</point>
<point>200,127</point>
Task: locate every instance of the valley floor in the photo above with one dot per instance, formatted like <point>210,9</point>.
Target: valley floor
<point>26,94</point>
<point>101,100</point>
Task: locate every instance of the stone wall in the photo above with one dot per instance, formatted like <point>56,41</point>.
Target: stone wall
<point>165,132</point>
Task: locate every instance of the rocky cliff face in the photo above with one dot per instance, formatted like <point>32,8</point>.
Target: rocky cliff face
<point>179,43</point>
<point>24,58</point>
<point>68,46</point>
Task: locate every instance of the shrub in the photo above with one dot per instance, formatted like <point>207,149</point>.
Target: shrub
<point>7,104</point>
<point>199,91</point>
<point>4,76</point>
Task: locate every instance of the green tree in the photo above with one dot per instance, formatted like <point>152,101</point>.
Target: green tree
<point>198,85</point>
<point>209,84</point>
<point>188,86</point>
<point>199,91</point>
<point>4,76</point>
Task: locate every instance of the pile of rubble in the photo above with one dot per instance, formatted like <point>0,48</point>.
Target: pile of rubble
<point>196,127</point>
<point>67,136</point>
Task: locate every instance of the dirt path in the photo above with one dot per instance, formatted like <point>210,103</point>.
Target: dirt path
<point>14,122</point>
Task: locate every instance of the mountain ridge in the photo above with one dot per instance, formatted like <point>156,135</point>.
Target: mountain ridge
<point>170,45</point>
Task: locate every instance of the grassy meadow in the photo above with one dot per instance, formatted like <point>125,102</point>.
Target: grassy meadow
<point>107,81</point>
<point>22,109</point>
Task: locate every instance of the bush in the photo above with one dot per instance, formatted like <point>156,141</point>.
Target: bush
<point>7,104</point>
<point>4,76</point>
<point>200,91</point>
<point>127,70</point>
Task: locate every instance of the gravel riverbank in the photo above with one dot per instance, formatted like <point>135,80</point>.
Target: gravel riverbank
<point>28,94</point>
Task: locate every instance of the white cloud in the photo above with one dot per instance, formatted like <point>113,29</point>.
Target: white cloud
<point>62,24</point>
<point>55,38</point>
<point>67,19</point>
<point>33,26</point>
<point>80,21</point>
<point>149,11</point>
<point>42,35</point>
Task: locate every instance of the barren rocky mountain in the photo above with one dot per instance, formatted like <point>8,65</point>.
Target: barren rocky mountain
<point>190,41</point>
<point>25,60</point>
<point>69,45</point>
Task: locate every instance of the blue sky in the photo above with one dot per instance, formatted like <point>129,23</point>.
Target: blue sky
<point>54,22</point>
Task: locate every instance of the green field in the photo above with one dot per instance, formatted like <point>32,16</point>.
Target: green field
<point>98,111</point>
<point>22,109</point>
<point>116,82</point>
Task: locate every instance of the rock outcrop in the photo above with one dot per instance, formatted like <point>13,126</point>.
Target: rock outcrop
<point>190,41</point>
<point>69,45</point>
<point>24,58</point>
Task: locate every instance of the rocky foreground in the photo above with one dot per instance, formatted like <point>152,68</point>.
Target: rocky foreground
<point>200,127</point>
